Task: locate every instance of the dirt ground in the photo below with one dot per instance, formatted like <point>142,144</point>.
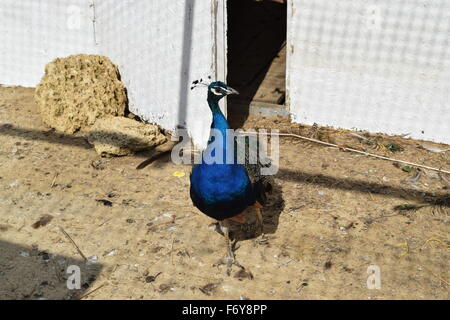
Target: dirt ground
<point>336,219</point>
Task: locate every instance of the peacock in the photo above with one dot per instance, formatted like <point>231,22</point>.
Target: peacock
<point>223,191</point>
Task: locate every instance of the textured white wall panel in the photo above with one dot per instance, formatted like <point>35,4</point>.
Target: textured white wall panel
<point>161,47</point>
<point>377,65</point>
<point>34,32</point>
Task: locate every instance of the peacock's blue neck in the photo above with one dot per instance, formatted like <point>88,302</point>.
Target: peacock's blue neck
<point>219,121</point>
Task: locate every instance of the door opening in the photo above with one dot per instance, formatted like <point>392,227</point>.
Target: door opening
<point>256,56</point>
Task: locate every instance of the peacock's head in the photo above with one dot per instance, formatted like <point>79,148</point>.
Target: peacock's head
<point>216,90</point>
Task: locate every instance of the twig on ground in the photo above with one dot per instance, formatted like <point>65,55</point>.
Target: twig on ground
<point>93,290</point>
<point>54,180</point>
<point>345,148</point>
<point>73,242</point>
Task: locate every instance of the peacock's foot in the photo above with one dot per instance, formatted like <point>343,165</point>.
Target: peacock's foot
<point>229,262</point>
<point>262,239</point>
<point>260,222</point>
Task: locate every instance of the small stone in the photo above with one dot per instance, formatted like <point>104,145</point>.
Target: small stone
<point>110,253</point>
<point>163,288</point>
<point>105,202</point>
<point>14,184</point>
<point>92,260</point>
<point>45,256</point>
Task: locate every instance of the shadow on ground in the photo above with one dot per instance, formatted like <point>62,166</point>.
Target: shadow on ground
<point>55,137</point>
<point>361,186</point>
<point>41,274</point>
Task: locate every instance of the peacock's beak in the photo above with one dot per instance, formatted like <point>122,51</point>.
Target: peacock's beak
<point>230,90</point>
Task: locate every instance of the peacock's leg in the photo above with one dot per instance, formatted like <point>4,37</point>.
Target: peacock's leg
<point>260,221</point>
<point>230,259</point>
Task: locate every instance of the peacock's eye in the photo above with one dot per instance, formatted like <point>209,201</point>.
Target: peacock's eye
<point>216,91</point>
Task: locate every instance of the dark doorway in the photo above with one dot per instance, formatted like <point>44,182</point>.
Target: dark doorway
<point>256,55</point>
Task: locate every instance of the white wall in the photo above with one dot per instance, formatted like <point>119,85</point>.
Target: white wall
<point>159,46</point>
<point>34,32</point>
<point>377,65</point>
